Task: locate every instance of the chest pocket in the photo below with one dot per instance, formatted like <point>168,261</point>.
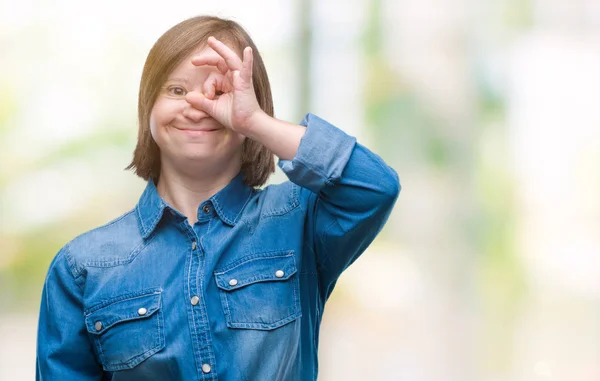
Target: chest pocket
<point>127,330</point>
<point>260,292</point>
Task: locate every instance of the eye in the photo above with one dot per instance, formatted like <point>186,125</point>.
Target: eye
<point>177,91</point>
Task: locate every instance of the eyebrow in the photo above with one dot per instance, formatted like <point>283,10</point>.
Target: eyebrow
<point>177,79</point>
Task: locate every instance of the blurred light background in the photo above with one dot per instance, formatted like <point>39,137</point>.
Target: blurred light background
<point>489,268</point>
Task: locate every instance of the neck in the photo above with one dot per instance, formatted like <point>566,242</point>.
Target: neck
<point>185,191</point>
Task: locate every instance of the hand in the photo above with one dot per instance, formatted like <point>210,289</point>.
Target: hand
<point>228,97</point>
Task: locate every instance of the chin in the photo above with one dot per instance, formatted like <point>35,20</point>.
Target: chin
<point>198,156</point>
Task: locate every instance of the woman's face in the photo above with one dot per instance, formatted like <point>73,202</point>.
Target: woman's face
<point>187,136</point>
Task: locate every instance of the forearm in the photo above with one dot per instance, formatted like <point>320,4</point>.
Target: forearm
<point>353,182</point>
<point>63,349</point>
<point>355,192</point>
<point>280,137</point>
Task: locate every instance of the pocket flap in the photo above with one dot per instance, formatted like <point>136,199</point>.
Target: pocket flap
<point>277,267</point>
<point>135,306</point>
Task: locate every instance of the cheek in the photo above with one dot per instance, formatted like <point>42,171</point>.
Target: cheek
<point>159,116</point>
<point>164,111</point>
<point>236,139</point>
<point>152,123</point>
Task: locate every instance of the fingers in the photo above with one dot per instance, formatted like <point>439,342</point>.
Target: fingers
<point>211,84</point>
<point>199,101</point>
<point>212,61</point>
<point>193,113</point>
<point>216,83</point>
<point>231,59</point>
<point>227,62</point>
<point>246,72</point>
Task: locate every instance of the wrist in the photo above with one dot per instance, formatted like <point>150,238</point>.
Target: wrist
<point>257,121</point>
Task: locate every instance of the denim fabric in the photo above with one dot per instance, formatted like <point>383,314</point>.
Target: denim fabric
<point>237,296</point>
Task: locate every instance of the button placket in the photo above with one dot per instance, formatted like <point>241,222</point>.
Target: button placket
<point>201,341</point>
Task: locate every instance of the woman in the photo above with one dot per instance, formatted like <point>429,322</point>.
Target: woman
<point>210,277</point>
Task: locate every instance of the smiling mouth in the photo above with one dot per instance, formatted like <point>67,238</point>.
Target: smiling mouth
<point>197,131</point>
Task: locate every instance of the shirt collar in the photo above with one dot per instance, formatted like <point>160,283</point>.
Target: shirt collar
<point>228,203</point>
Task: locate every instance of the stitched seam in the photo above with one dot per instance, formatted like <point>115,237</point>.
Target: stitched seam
<point>317,171</point>
<point>207,230</point>
<point>142,356</point>
<point>205,317</point>
<point>221,212</point>
<point>191,309</point>
<point>111,323</point>
<point>286,209</point>
<point>256,279</point>
<point>295,290</point>
<point>269,326</point>
<point>140,219</point>
<point>242,208</point>
<point>152,225</point>
<point>122,298</point>
<point>134,360</point>
<point>75,273</point>
<point>254,257</point>
<point>219,209</point>
<point>337,176</point>
<point>296,312</point>
<point>227,310</point>
<point>188,231</point>
<point>113,221</point>
<point>133,255</point>
<point>160,339</point>
<point>101,352</point>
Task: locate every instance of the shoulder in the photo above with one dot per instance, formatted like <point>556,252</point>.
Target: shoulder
<point>279,199</point>
<point>110,244</point>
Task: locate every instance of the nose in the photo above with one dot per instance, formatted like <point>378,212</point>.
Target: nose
<point>192,113</point>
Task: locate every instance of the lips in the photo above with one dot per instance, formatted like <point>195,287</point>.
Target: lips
<point>196,130</point>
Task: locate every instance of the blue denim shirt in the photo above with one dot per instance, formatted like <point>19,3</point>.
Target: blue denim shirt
<point>238,296</point>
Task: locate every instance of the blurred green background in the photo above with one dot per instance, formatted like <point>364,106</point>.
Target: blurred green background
<point>489,266</point>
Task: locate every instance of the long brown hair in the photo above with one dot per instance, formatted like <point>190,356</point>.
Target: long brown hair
<point>169,51</point>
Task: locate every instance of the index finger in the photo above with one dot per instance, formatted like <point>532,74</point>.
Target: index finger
<point>233,61</point>
<point>212,61</point>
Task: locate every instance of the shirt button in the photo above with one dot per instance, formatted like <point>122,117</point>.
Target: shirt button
<point>98,326</point>
<point>206,209</point>
<point>195,300</point>
<point>142,311</point>
<point>279,273</point>
<point>193,245</point>
<point>206,368</point>
<point>233,282</point>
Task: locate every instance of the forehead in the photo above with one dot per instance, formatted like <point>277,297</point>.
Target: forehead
<point>187,69</point>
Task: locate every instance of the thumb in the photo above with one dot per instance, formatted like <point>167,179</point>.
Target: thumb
<point>200,102</point>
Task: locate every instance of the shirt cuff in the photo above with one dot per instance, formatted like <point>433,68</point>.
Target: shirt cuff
<point>322,155</point>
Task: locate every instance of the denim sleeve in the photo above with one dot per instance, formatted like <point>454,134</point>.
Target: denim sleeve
<point>352,193</point>
<point>64,351</point>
